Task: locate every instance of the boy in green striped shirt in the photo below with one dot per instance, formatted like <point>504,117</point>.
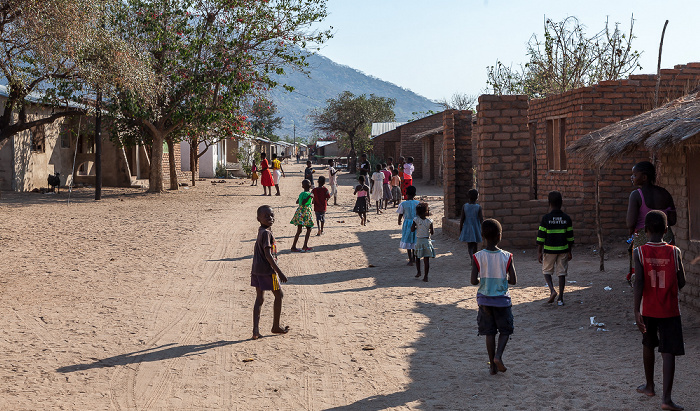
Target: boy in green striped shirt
<point>555,240</point>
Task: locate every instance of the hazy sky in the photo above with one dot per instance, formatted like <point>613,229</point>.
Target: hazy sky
<point>439,47</point>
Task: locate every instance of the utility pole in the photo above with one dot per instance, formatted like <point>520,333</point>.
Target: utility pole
<point>294,133</point>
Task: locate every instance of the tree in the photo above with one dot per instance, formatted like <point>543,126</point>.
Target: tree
<point>351,117</point>
<point>459,101</point>
<point>51,48</point>
<point>567,59</point>
<point>263,121</point>
<point>208,56</point>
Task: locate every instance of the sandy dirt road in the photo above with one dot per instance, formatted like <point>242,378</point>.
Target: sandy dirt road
<point>142,302</point>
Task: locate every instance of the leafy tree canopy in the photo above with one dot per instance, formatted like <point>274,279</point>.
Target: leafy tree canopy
<point>263,120</point>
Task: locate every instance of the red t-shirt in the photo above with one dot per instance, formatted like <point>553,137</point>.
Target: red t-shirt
<point>660,296</point>
<point>321,196</point>
<point>387,176</point>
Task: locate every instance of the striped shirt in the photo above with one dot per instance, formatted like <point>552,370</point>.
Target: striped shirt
<point>556,233</point>
<point>493,273</point>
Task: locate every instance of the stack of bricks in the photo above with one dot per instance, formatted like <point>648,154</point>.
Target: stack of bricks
<point>182,176</point>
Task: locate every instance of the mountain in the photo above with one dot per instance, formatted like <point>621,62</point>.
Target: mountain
<point>327,79</point>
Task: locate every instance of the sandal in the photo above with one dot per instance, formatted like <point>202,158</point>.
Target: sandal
<point>307,249</point>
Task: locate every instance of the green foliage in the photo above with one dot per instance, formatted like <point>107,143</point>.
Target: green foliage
<point>209,57</point>
<point>247,156</point>
<point>220,170</point>
<point>263,120</point>
<point>567,59</point>
<point>351,116</point>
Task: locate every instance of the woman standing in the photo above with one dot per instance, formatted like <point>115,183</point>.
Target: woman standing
<point>265,175</point>
<point>277,172</point>
<point>647,197</point>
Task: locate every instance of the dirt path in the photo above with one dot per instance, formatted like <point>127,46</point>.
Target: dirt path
<point>143,302</point>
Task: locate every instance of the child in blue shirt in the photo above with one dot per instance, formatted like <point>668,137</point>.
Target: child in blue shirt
<point>492,271</point>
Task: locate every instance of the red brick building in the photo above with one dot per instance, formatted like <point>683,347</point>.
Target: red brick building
<point>520,154</point>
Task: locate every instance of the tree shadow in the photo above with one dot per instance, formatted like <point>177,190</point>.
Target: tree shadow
<point>164,352</point>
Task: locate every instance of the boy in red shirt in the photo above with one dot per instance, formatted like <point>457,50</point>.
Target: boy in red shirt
<point>321,196</point>
<point>660,276</point>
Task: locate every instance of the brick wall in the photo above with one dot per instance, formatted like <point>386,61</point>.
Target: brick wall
<point>182,176</point>
<point>457,176</point>
<point>387,145</point>
<point>673,175</point>
<point>413,148</point>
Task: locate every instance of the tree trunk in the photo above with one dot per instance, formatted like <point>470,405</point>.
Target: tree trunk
<point>194,148</point>
<point>598,227</point>
<point>353,156</point>
<point>98,146</point>
<point>155,177</point>
<point>174,183</point>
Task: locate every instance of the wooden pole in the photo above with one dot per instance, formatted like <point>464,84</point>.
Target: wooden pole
<point>658,68</point>
<point>98,145</point>
<point>599,229</point>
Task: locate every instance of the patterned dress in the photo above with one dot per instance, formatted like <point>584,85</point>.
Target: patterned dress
<point>408,238</point>
<point>303,216</point>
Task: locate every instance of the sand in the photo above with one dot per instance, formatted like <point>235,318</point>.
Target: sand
<point>143,301</point>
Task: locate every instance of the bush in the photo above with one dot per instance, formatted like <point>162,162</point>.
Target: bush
<point>220,170</point>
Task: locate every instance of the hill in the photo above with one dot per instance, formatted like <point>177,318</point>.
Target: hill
<point>327,79</point>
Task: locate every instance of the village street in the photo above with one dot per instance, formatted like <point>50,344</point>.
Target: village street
<point>142,301</point>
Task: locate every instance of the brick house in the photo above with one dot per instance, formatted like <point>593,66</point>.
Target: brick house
<point>672,133</point>
<point>423,140</point>
<point>520,153</point>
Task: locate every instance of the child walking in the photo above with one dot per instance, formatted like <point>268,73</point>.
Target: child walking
<point>660,275</point>
<point>332,181</point>
<point>395,187</point>
<point>265,275</point>
<point>423,227</point>
<point>470,222</point>
<point>302,217</point>
<point>385,186</point>
<point>309,172</point>
<point>362,192</point>
<point>321,196</point>
<point>378,187</point>
<point>254,174</point>
<point>407,211</point>
<point>493,271</point>
<point>408,169</point>
<point>555,238</point>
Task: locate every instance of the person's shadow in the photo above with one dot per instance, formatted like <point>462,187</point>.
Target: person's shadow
<point>164,352</point>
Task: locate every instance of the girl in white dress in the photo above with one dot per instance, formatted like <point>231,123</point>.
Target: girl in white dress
<point>378,188</point>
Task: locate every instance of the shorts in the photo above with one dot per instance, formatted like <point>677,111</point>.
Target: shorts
<point>555,263</point>
<point>265,282</point>
<point>665,333</point>
<point>320,216</point>
<point>493,320</point>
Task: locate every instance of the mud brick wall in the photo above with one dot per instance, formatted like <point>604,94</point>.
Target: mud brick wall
<point>503,167</point>
<point>673,175</point>
<point>182,176</point>
<point>457,176</point>
<point>382,144</point>
<point>585,110</point>
<point>410,147</point>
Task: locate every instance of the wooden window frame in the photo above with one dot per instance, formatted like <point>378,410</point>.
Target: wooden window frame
<point>556,144</point>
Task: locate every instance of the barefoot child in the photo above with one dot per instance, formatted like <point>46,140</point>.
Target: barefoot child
<point>470,223</point>
<point>408,169</point>
<point>423,227</point>
<point>660,276</point>
<point>378,187</point>
<point>321,196</point>
<point>332,181</point>
<point>362,192</point>
<point>254,174</point>
<point>555,238</point>
<point>407,211</point>
<point>265,272</point>
<point>495,268</point>
<point>309,172</point>
<point>302,217</point>
<point>395,187</point>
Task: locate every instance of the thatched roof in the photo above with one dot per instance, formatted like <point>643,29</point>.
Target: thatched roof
<point>428,133</point>
<point>657,129</point>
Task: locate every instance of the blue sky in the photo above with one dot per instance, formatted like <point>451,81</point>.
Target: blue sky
<point>439,47</point>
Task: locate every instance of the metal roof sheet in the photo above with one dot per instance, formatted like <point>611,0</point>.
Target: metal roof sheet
<point>381,128</point>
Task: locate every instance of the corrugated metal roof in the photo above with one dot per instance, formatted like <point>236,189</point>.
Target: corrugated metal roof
<point>381,128</point>
<point>324,143</point>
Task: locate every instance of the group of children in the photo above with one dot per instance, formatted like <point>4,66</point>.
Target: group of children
<point>655,292</point>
